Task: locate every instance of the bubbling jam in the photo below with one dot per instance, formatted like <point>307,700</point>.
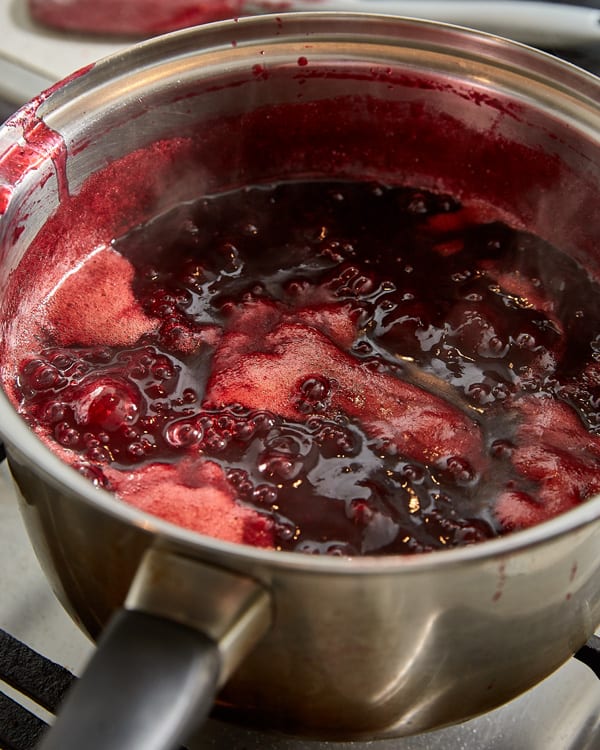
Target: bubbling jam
<point>327,367</point>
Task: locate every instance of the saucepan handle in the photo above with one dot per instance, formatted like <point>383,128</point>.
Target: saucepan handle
<point>152,681</point>
<point>150,684</point>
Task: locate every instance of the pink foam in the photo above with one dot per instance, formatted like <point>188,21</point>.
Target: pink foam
<point>194,495</point>
<point>558,455</point>
<point>420,424</point>
<point>96,305</point>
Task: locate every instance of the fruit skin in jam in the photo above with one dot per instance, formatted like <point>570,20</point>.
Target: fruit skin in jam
<point>339,368</point>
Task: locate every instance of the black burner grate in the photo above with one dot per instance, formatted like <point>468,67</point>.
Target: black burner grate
<point>590,654</point>
<point>19,729</point>
<point>40,679</point>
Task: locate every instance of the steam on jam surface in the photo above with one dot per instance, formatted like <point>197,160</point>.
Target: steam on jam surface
<point>340,368</point>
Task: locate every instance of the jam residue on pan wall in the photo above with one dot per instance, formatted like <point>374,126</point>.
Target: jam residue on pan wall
<point>327,367</point>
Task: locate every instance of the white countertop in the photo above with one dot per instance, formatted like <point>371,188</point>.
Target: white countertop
<point>32,57</point>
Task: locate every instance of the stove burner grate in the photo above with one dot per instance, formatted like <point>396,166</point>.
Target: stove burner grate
<point>40,679</point>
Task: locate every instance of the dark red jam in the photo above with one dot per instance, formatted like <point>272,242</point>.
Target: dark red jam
<point>341,368</point>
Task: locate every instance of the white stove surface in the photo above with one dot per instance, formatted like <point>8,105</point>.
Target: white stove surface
<point>32,57</point>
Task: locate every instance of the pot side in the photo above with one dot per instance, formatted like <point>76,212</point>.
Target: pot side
<point>357,648</point>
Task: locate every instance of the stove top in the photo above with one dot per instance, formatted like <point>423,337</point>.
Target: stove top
<point>41,648</point>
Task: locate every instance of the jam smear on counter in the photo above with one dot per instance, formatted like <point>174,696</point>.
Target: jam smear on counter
<point>333,368</point>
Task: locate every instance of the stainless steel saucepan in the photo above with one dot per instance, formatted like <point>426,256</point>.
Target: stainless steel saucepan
<point>333,648</point>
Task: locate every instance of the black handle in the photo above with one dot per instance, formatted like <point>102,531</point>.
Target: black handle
<point>150,684</point>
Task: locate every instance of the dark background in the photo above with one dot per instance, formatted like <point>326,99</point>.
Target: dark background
<point>586,57</point>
